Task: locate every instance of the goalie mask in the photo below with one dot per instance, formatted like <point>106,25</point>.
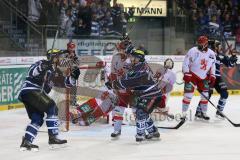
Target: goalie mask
<point>168,63</point>
<point>202,43</point>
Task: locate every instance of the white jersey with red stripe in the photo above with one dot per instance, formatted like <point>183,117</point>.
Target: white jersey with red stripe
<point>201,63</point>
<point>167,81</point>
<point>119,66</point>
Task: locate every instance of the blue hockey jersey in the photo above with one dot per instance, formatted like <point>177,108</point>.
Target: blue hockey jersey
<point>140,80</point>
<point>222,59</point>
<point>41,78</point>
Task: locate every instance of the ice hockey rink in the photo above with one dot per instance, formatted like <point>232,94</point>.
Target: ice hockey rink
<point>195,140</point>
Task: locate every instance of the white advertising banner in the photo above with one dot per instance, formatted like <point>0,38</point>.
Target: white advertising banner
<point>156,8</point>
<point>92,47</point>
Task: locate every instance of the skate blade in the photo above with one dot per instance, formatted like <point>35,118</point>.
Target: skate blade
<point>141,142</point>
<point>23,149</point>
<point>201,119</point>
<point>115,138</point>
<point>219,117</point>
<point>57,146</point>
<point>154,139</point>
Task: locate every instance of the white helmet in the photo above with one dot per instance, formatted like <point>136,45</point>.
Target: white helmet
<point>168,63</point>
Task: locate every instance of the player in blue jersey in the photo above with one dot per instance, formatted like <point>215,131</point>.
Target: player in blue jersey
<point>37,85</point>
<point>139,79</point>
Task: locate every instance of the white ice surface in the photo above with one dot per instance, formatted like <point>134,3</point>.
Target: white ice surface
<point>215,140</point>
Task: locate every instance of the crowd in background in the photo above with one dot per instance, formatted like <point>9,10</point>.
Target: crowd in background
<point>78,17</point>
<point>84,17</point>
<point>214,17</point>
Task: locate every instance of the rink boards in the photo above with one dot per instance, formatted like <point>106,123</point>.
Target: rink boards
<point>13,71</point>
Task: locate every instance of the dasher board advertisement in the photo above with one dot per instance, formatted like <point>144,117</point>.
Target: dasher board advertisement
<point>156,8</point>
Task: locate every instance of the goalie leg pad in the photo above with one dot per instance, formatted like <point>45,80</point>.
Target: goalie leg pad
<point>89,112</point>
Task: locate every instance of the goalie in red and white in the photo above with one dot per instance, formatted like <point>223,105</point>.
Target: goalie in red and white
<point>199,70</point>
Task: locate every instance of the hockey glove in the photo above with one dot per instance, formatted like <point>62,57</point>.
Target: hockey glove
<point>187,77</point>
<point>212,80</point>
<point>108,85</point>
<point>233,59</point>
<point>46,65</point>
<point>75,73</point>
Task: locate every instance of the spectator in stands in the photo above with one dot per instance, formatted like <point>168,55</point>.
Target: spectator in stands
<point>107,26</point>
<point>66,24</point>
<point>123,24</point>
<point>80,27</point>
<point>212,9</point>
<point>227,25</point>
<point>202,18</point>
<point>95,27</point>
<point>85,13</point>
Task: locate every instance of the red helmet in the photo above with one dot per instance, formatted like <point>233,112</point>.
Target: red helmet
<point>71,46</point>
<point>202,42</point>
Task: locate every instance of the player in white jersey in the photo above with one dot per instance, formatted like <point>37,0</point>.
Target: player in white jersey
<point>198,69</point>
<point>119,68</point>
<point>166,82</point>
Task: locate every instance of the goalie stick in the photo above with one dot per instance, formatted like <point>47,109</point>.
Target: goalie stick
<point>234,124</point>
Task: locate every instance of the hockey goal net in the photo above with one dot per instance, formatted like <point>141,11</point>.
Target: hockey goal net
<point>92,76</point>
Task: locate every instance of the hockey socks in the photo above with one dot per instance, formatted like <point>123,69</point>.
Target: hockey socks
<point>52,125</point>
<point>221,104</point>
<point>31,132</point>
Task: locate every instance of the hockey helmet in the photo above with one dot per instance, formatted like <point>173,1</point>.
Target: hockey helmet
<point>168,63</point>
<point>124,42</point>
<point>51,53</point>
<point>202,43</point>
<point>71,45</point>
<point>138,54</point>
<point>214,44</point>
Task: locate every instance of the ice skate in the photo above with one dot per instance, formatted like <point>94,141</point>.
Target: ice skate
<point>154,135</point>
<point>55,142</point>
<point>116,134</point>
<point>140,138</point>
<point>28,146</point>
<point>220,115</point>
<point>201,116</point>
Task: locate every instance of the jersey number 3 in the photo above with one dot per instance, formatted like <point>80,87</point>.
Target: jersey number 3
<point>203,64</point>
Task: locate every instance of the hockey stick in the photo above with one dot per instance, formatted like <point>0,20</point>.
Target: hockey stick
<point>143,10</point>
<point>234,124</point>
<point>183,120</point>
